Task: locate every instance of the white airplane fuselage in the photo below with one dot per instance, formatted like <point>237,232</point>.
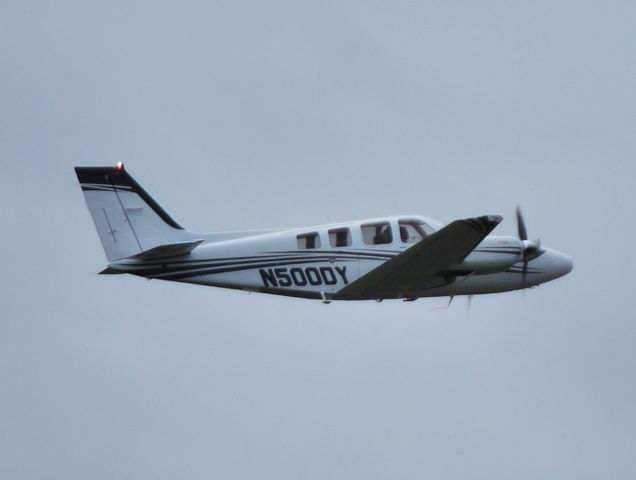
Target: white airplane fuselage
<point>272,262</point>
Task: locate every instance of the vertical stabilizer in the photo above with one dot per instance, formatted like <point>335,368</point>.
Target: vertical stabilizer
<point>127,219</point>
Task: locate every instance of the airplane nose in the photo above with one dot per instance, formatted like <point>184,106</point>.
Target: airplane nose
<point>568,264</point>
<point>561,264</point>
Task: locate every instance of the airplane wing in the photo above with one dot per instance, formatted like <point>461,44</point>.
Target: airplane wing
<point>411,269</point>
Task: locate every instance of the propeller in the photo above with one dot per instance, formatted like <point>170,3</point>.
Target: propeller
<point>530,249</point>
<point>521,226</point>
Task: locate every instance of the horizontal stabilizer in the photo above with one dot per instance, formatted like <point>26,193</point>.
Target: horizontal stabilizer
<point>111,271</point>
<point>167,250</point>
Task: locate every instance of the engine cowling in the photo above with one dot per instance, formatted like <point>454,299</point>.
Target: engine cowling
<point>493,255</point>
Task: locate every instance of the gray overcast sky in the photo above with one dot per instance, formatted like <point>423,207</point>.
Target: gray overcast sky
<point>259,114</point>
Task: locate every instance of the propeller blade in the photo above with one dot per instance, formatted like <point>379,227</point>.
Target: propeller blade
<point>521,225</point>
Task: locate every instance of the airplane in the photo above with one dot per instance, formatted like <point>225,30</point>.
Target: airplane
<point>398,257</point>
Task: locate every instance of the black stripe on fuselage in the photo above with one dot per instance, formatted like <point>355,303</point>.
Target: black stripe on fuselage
<point>328,255</point>
<point>520,270</point>
<point>498,250</point>
<point>197,266</point>
<point>318,251</point>
<point>213,271</point>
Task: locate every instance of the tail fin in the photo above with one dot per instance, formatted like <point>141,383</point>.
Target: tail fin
<point>127,219</point>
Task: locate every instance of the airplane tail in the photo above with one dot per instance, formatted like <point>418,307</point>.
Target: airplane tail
<point>129,222</point>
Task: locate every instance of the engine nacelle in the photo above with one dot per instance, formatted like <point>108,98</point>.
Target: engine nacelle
<point>495,254</point>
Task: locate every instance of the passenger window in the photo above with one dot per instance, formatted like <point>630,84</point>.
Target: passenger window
<point>308,240</point>
<point>412,231</point>
<point>377,233</point>
<point>340,237</point>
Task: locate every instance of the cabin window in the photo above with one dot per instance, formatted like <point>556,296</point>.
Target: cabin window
<point>340,237</point>
<point>308,240</point>
<point>377,233</point>
<point>412,231</point>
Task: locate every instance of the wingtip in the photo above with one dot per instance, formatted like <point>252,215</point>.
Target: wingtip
<point>486,223</point>
<point>491,221</point>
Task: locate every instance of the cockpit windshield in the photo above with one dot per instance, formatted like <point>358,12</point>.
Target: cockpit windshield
<point>412,231</point>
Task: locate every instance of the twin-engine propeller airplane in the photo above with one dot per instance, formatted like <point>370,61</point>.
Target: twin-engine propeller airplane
<point>403,257</point>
